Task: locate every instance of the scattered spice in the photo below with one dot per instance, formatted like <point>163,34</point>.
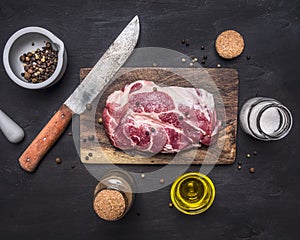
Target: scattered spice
<point>39,65</point>
<point>32,44</point>
<point>147,133</point>
<point>191,64</point>
<point>218,65</point>
<point>203,61</point>
<point>91,137</point>
<point>89,106</point>
<point>58,160</point>
<point>170,205</point>
<point>183,60</point>
<point>152,129</point>
<point>142,175</point>
<point>183,41</point>
<point>239,167</point>
<point>154,65</point>
<point>252,170</point>
<point>180,117</point>
<point>202,47</point>
<point>162,181</point>
<point>73,166</point>
<point>70,134</point>
<point>187,43</point>
<point>84,140</point>
<point>87,158</point>
<point>154,89</point>
<point>248,57</point>
<point>239,162</point>
<point>248,155</point>
<point>90,154</point>
<point>254,153</point>
<point>204,57</point>
<point>100,120</point>
<point>194,59</point>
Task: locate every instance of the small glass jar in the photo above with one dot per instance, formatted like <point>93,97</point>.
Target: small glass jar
<point>114,195</point>
<point>192,193</point>
<point>265,119</point>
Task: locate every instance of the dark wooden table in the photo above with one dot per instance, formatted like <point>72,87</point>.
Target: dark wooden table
<point>56,201</point>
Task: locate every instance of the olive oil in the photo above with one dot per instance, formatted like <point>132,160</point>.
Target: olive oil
<point>192,193</point>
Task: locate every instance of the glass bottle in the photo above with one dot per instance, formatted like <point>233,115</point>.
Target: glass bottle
<point>114,195</point>
<point>192,193</point>
<point>265,119</point>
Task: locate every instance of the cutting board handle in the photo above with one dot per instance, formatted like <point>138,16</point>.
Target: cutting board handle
<point>31,157</point>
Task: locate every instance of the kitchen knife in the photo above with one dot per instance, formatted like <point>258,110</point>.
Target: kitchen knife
<point>85,93</point>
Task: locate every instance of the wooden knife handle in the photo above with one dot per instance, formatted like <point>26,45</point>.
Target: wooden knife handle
<point>31,157</point>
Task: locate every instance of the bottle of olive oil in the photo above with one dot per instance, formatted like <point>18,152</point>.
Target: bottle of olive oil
<point>192,193</point>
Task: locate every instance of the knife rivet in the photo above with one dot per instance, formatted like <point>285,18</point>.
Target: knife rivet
<point>44,139</point>
<point>63,115</point>
<point>28,159</point>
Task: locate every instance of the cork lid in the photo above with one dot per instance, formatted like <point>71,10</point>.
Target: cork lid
<point>109,204</point>
<point>229,44</point>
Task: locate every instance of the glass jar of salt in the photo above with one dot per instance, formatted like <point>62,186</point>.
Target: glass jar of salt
<point>265,119</point>
<point>114,195</point>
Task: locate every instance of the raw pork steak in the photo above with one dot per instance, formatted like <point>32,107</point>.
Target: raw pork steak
<point>146,117</point>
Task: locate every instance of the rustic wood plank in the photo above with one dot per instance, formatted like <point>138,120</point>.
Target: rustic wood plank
<point>226,82</point>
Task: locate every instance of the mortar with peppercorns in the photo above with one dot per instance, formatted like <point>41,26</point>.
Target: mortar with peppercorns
<point>34,58</point>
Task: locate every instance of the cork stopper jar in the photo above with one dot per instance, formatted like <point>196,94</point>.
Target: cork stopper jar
<point>113,196</point>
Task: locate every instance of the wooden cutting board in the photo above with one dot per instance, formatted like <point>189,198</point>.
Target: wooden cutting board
<point>99,149</point>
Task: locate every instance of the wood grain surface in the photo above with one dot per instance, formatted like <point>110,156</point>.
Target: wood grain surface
<point>221,82</point>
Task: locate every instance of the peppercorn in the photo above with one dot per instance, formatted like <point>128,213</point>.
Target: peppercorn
<point>100,120</point>
<point>204,57</point>
<point>203,61</point>
<point>154,89</point>
<point>86,158</point>
<point>254,153</point>
<point>88,106</point>
<point>248,57</point>
<point>161,180</point>
<point>147,133</point>
<point>191,64</point>
<point>170,205</point>
<point>91,137</point>
<point>58,160</point>
<point>180,117</point>
<point>248,155</point>
<point>152,129</point>
<point>70,134</point>
<point>183,60</point>
<point>142,175</point>
<point>239,162</point>
<point>183,41</point>
<point>252,170</point>
<point>90,154</point>
<point>239,167</point>
<point>202,47</point>
<point>218,65</point>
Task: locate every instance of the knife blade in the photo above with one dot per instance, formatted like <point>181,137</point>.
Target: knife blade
<point>101,74</point>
